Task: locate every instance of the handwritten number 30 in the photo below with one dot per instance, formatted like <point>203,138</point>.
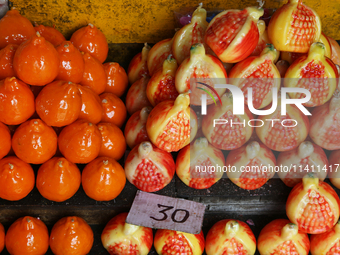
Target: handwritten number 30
<point>173,215</point>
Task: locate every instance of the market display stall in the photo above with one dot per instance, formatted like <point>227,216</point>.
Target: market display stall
<point>91,115</point>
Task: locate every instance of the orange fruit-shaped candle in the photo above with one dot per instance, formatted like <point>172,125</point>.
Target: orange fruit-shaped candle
<point>326,243</point>
<point>16,179</point>
<point>294,27</point>
<point>59,103</point>
<point>283,237</point>
<point>34,142</point>
<point>5,140</point>
<point>313,205</point>
<point>71,63</point>
<point>117,80</point>
<point>203,155</point>
<point>36,61</point>
<point>94,76</point>
<point>17,101</point>
<point>121,238</point>
<point>176,242</point>
<point>6,61</point>
<point>58,179</point>
<point>314,72</point>
<point>27,235</point>
<point>138,65</point>
<point>114,110</point>
<point>50,34</point>
<point>230,237</point>
<point>91,40</point>
<point>14,29</point>
<point>2,237</point>
<point>71,236</point>
<point>113,141</point>
<point>80,142</point>
<point>135,128</point>
<point>136,98</point>
<point>103,179</point>
<point>92,109</point>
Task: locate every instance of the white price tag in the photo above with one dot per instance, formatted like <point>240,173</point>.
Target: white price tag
<point>162,212</point>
